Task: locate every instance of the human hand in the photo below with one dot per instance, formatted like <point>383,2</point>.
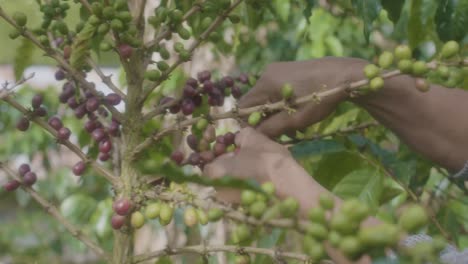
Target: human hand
<point>305,77</point>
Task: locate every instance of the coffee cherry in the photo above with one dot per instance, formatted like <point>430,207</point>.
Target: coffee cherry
<point>202,124</point>
<point>214,214</point>
<point>314,249</point>
<point>122,206</point>
<point>11,185</point>
<point>60,75</point>
<point>137,220</point>
<point>207,156</point>
<point>269,188</point>
<point>204,76</point>
<point>187,106</point>
<point>165,215</point>
<point>41,111</point>
<point>63,133</point>
<point>342,224</point>
<point>403,52</point>
<point>248,197</point>
<point>242,259</point>
<point>153,75</point>
<point>350,246</point>
<point>287,91</point>
<point>80,111</point>
<point>289,207</point>
<point>192,142</point>
<point>257,209</point>
<point>422,85</point>
<point>379,236</point>
<point>386,59</point>
<point>190,217</point>
<point>317,215</point>
<point>23,169</point>
<point>241,233</point>
<point>209,134</point>
<point>23,124</point>
<point>103,156</point>
<point>326,201</point>
<point>79,168</point>
<point>334,238</point>
<point>36,101</point>
<point>114,128</point>
<point>113,99</point>
<point>189,91</point>
<point>236,92</point>
<point>194,159</point>
<point>405,66</point>
<point>20,19</point>
<point>376,84</point>
<point>192,82</point>
<point>317,231</point>
<point>229,138</point>
<point>208,87</point>
<point>117,221</point>
<point>98,134</point>
<point>92,104</point>
<point>219,149</point>
<point>450,49</point>
<point>204,145</point>
<point>420,68</point>
<point>413,218</point>
<point>152,210</point>
<point>443,71</point>
<point>371,71</point>
<point>29,178</point>
<point>105,146</point>
<point>90,125</point>
<point>55,123</point>
<point>254,118</point>
<point>202,217</point>
<point>125,51</point>
<point>355,209</point>
<point>73,103</point>
<point>177,157</point>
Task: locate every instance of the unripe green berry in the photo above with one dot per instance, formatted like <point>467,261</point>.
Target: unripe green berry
<point>14,34</point>
<point>96,8</point>
<point>234,19</point>
<point>289,207</point>
<point>269,188</point>
<point>162,65</point>
<point>443,71</point>
<point>386,59</point>
<point>121,4</point>
<point>176,15</point>
<point>124,16</point>
<point>334,238</point>
<point>420,68</point>
<point>450,49</point>
<point>153,75</point>
<point>185,55</point>
<point>94,20</point>
<point>376,84</point>
<point>137,220</point>
<point>103,28</point>
<point>206,22</point>
<point>405,66</point>
<point>350,246</point>
<point>241,233</point>
<point>108,12</point>
<point>242,259</point>
<point>20,18</point>
<point>326,201</point>
<point>371,71</point>
<point>202,124</point>
<point>403,52</point>
<point>105,46</point>
<point>183,32</point>
<point>413,218</point>
<point>287,91</point>
<point>178,47</point>
<point>317,215</point>
<point>381,235</point>
<point>166,213</point>
<point>152,210</point>
<point>116,25</point>
<point>257,209</point>
<point>202,217</point>
<point>422,85</point>
<point>254,118</point>
<point>164,53</point>
<point>214,214</point>
<point>355,209</point>
<point>317,231</point>
<point>248,197</point>
<point>190,217</point>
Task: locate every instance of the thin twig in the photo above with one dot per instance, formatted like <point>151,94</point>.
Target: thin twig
<point>54,212</point>
<point>106,79</point>
<point>194,45</point>
<point>237,113</point>
<point>99,169</point>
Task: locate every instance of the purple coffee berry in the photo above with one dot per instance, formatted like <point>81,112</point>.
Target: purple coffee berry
<point>122,206</point>
<point>204,76</point>
<point>177,157</point>
<point>192,82</point>
<point>192,142</point>
<point>92,104</point>
<point>23,169</point>
<point>90,125</point>
<point>73,103</point>
<point>188,106</point>
<point>79,168</point>
<point>114,128</point>
<point>228,81</point>
<point>63,133</point>
<point>208,86</point>
<point>117,221</point>
<point>236,92</point>
<point>60,75</point>
<point>219,149</point>
<point>103,156</point>
<point>189,91</point>
<point>194,159</point>
<point>113,99</point>
<point>80,111</point>
<point>125,51</point>
<point>207,156</point>
<point>55,123</point>
<point>11,185</point>
<point>98,134</point>
<point>41,111</point>
<point>105,146</point>
<point>197,100</point>
<point>243,78</point>
<point>29,178</point>
<point>23,124</point>
<point>229,138</point>
<point>36,101</point>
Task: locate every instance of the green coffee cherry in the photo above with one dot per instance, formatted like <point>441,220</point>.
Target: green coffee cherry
<point>450,49</point>
<point>96,8</point>
<point>93,20</point>
<point>376,84</point>
<point>443,71</point>
<point>254,118</point>
<point>241,233</point>
<point>121,4</point>
<point>103,28</point>
<point>289,207</point>
<point>355,209</point>
<point>257,209</point>
<point>162,65</point>
<point>350,246</point>
<point>405,66</point>
<point>269,188</point>
<point>117,25</point>
<point>183,33</point>
<point>14,34</point>
<point>378,236</point>
<point>202,124</point>
<point>124,16</point>
<point>206,22</point>
<point>166,213</point>
<point>190,217</point>
<point>242,259</point>
<point>178,47</point>
<point>185,55</point>
<point>108,12</point>
<point>202,217</point>
<point>20,18</point>
<point>413,218</point>
<point>152,210</point>
<point>371,71</point>
<point>234,19</point>
<point>317,231</point>
<point>153,75</point>
<point>386,59</point>
<point>137,220</point>
<point>343,224</point>
<point>164,53</point>
<point>317,215</point>
<point>214,214</point>
<point>248,197</point>
<point>105,46</point>
<point>314,249</point>
<point>287,91</point>
<point>326,201</point>
<point>334,238</point>
<point>420,68</point>
<point>403,52</point>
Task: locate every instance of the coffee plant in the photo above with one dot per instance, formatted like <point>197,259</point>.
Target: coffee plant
<point>142,146</point>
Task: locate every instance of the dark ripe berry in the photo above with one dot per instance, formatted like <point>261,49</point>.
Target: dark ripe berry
<point>89,94</point>
<point>67,52</point>
<point>117,221</point>
<point>63,97</point>
<point>219,149</point>
<point>197,100</point>
<point>228,81</point>
<point>59,75</point>
<point>220,139</point>
<point>103,112</point>
<point>187,106</point>
<point>177,157</point>
<point>11,185</point>
<point>204,76</point>
<point>113,99</point>
<point>29,178</point>
<point>37,101</point>
<point>207,156</point>
<point>192,82</point>
<point>72,102</point>
<point>23,169</point>
<point>92,104</point>
<point>189,91</point>
<point>243,78</point>
<point>192,142</point>
<point>105,146</point>
<point>63,133</point>
<point>194,159</point>
<point>55,123</point>
<point>90,125</point>
<point>229,138</point>
<point>175,108</point>
<point>208,86</point>
<point>103,156</point>
<point>93,117</point>
<point>236,92</point>
<point>80,111</point>
<point>23,124</point>
<point>125,51</point>
<point>98,134</point>
<point>122,206</point>
<point>114,128</point>
<point>68,86</point>
<point>41,111</point>
<point>79,168</point>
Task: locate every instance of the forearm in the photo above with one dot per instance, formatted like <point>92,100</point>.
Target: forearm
<point>433,124</point>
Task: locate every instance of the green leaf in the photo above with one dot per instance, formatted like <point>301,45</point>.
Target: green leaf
<point>100,218</point>
<point>23,57</point>
<point>316,147</point>
<point>365,184</point>
<point>421,15</point>
<point>393,8</point>
<point>368,11</point>
<point>78,208</point>
<point>451,19</point>
<point>309,5</point>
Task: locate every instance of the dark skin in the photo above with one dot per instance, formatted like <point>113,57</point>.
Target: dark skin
<point>431,123</point>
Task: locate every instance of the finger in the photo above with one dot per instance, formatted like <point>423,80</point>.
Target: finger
<point>276,125</point>
<point>256,96</point>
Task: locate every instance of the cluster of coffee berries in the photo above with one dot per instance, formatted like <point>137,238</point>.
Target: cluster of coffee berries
<point>37,111</point>
<point>27,178</point>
